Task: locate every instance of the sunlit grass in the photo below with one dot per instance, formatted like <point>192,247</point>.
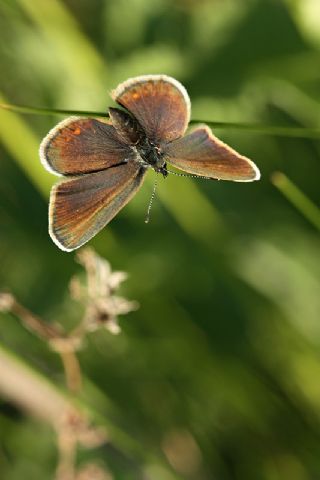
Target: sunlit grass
<point>221,359</point>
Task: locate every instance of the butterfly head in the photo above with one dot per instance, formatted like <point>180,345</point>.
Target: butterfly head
<point>152,156</point>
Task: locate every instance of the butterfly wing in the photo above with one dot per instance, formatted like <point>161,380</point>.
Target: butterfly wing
<point>82,145</point>
<point>201,153</point>
<point>81,206</point>
<point>159,103</point>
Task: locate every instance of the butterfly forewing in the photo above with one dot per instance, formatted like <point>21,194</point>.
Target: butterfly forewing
<point>82,206</point>
<point>159,103</point>
<point>201,153</point>
<point>82,145</point>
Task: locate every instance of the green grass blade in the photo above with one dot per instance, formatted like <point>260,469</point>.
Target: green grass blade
<point>26,150</point>
<point>64,35</point>
<point>249,127</point>
<point>263,129</point>
<point>26,109</point>
<point>292,193</point>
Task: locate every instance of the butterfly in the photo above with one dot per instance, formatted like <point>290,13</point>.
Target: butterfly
<point>104,161</point>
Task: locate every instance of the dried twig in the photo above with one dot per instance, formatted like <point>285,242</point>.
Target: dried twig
<point>102,308</point>
<point>98,294</point>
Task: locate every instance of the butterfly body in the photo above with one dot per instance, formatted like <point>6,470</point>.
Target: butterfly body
<point>148,154</point>
<point>151,156</point>
<point>104,162</point>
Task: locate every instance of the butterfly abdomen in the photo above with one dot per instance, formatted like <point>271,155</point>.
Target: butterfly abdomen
<point>127,127</point>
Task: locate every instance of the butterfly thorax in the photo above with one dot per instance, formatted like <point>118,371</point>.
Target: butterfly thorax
<point>152,156</point>
<point>129,130</point>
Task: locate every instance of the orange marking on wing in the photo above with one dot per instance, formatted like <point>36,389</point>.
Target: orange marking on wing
<point>77,131</point>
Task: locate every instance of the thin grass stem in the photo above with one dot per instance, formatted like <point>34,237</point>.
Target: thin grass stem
<point>295,196</point>
<point>274,130</point>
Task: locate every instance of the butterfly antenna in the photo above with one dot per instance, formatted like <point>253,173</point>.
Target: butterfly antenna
<point>151,201</point>
<point>188,175</point>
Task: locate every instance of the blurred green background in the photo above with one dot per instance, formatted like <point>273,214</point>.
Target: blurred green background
<point>217,375</point>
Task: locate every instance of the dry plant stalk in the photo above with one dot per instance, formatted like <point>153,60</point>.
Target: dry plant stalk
<point>98,294</point>
<point>102,307</point>
<point>38,397</point>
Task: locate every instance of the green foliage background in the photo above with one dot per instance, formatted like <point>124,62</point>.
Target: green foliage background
<point>225,347</point>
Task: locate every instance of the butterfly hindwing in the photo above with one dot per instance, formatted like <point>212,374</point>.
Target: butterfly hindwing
<point>201,153</point>
<point>82,145</point>
<point>81,206</point>
<point>159,103</point>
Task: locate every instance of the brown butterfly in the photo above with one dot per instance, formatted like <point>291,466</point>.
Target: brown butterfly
<point>104,161</point>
